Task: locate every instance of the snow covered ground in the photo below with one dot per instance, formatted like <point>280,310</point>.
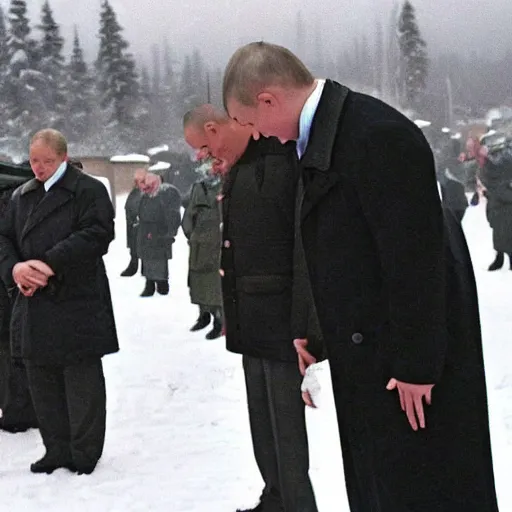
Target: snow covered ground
<point>177,434</point>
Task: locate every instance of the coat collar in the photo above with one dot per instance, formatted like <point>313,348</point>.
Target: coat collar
<point>62,192</point>
<point>317,174</point>
<point>325,127</point>
<point>68,181</point>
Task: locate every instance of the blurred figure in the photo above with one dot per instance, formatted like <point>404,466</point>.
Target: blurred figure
<point>201,225</point>
<point>453,192</point>
<point>16,410</point>
<point>496,177</point>
<point>158,221</point>
<point>131,211</point>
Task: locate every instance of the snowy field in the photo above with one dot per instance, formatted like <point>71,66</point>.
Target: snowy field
<point>178,435</point>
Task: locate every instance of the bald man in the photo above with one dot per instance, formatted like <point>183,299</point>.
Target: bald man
<point>262,315</point>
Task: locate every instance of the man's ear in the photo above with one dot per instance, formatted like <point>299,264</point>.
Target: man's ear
<point>210,127</point>
<point>267,99</point>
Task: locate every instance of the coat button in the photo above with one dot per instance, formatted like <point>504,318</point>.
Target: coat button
<point>357,338</point>
<point>227,244</point>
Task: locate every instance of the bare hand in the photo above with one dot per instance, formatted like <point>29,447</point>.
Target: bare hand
<point>411,400</point>
<point>42,267</point>
<point>306,396</point>
<point>27,277</point>
<point>305,358</point>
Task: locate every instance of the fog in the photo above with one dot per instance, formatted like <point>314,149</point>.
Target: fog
<point>217,27</point>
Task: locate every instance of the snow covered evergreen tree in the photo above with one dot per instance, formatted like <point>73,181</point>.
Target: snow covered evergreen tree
<point>117,81</point>
<point>53,67</point>
<point>413,54</point>
<point>24,85</point>
<point>79,88</point>
<point>4,60</point>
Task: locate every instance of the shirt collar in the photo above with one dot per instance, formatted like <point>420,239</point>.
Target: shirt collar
<point>307,115</point>
<point>48,184</point>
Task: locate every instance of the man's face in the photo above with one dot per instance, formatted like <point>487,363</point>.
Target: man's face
<point>266,118</point>
<point>44,160</point>
<point>214,140</point>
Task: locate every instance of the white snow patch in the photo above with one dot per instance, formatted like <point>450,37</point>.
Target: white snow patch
<point>131,158</point>
<point>160,166</point>
<point>158,149</point>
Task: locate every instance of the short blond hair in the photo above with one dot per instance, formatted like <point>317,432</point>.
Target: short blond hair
<point>52,138</point>
<point>258,65</point>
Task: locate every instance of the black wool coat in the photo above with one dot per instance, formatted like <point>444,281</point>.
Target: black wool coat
<point>70,229</point>
<point>257,251</point>
<point>395,294</point>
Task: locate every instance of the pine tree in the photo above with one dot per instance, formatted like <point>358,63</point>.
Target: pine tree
<point>117,79</point>
<point>379,56</point>
<point>52,65</point>
<point>414,60</point>
<point>25,85</point>
<point>4,60</point>
<point>300,36</point>
<point>79,87</point>
<point>171,124</point>
<point>4,49</point>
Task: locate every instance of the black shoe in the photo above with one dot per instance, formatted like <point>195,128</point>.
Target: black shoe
<point>202,322</point>
<point>216,332</point>
<point>162,287</point>
<point>257,508</point>
<point>498,262</point>
<point>17,427</point>
<point>149,289</point>
<point>85,470</point>
<point>131,269</point>
<point>48,464</point>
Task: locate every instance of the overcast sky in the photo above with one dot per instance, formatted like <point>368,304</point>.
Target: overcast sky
<point>217,27</point>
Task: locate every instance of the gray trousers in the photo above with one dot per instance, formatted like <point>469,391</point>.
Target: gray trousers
<point>279,436</point>
<point>70,405</point>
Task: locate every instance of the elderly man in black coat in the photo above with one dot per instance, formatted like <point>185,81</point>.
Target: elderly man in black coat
<point>53,236</point>
<point>393,285</point>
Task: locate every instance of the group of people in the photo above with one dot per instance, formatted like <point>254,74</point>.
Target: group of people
<point>333,245</point>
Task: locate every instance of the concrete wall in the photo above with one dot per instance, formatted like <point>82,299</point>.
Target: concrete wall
<point>120,175</point>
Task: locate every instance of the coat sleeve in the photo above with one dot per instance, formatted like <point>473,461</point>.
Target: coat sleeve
<point>8,253</point>
<point>94,230</point>
<point>398,194</point>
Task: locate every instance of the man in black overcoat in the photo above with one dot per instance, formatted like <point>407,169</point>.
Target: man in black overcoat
<point>257,268</point>
<point>56,230</point>
<point>393,286</point>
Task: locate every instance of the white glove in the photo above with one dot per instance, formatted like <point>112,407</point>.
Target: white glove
<point>311,384</point>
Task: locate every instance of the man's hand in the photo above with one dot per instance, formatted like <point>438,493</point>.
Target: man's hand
<point>411,400</point>
<point>305,358</point>
<point>42,267</point>
<point>28,277</point>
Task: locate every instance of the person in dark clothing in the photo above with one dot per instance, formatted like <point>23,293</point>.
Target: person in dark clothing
<point>17,411</point>
<point>158,221</point>
<point>56,230</point>
<point>393,285</point>
<point>131,210</point>
<point>201,225</point>
<point>453,192</point>
<point>496,176</point>
<point>257,264</point>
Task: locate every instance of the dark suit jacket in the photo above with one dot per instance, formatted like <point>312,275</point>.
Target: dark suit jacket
<point>70,228</point>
